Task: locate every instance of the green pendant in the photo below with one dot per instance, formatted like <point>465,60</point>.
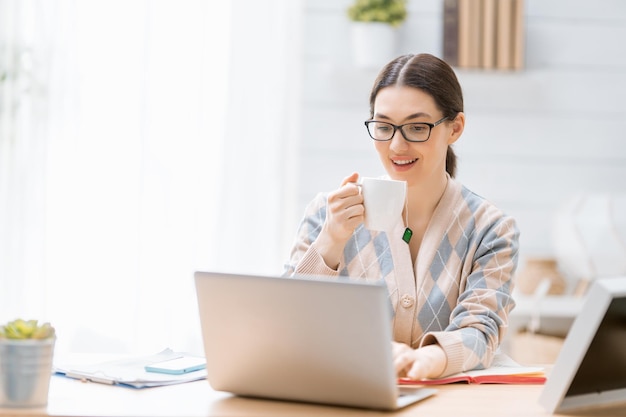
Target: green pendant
<point>408,233</point>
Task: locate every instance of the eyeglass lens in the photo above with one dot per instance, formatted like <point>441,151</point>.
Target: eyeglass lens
<point>412,131</point>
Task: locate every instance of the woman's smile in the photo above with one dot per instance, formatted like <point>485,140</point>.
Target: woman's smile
<point>403,164</point>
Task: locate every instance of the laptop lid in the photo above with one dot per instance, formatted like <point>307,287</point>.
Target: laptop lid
<point>300,339</point>
<point>590,370</point>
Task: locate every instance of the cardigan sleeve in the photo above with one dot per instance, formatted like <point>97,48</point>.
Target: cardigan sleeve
<point>480,318</point>
<point>304,258</point>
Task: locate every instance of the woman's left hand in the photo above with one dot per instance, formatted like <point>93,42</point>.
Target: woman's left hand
<point>425,362</point>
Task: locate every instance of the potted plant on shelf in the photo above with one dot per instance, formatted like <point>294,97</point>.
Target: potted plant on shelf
<point>26,352</point>
<point>373,27</point>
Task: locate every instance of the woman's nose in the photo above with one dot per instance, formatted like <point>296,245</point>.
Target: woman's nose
<point>398,142</point>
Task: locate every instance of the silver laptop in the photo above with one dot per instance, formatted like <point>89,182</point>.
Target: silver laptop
<point>300,339</point>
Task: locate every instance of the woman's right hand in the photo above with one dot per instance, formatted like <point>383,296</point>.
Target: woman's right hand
<point>344,213</point>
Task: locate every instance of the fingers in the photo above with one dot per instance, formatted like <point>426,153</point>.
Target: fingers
<point>346,205</point>
<point>418,370</point>
<point>402,358</point>
<point>409,364</point>
<point>398,348</point>
<point>349,188</point>
<point>345,210</point>
<point>354,177</point>
<point>425,362</point>
<point>344,213</point>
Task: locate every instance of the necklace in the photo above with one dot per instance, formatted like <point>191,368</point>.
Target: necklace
<point>408,233</point>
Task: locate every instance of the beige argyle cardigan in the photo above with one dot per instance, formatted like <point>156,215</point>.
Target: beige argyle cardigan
<point>458,292</point>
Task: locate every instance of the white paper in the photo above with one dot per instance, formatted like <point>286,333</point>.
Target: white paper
<point>130,371</point>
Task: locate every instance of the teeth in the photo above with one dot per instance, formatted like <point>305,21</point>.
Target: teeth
<point>404,162</point>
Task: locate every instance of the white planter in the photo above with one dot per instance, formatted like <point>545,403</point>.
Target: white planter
<point>373,44</point>
<point>25,371</point>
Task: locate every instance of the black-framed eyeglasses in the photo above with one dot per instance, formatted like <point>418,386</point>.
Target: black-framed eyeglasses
<point>412,132</point>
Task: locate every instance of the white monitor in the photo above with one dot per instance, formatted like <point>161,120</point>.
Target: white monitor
<point>590,370</point>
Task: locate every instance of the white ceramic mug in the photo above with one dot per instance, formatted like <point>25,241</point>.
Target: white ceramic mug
<point>383,200</point>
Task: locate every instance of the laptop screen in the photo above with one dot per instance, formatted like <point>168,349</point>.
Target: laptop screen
<point>604,366</point>
<point>590,370</point>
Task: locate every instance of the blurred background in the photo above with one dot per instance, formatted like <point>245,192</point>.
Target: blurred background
<point>143,140</point>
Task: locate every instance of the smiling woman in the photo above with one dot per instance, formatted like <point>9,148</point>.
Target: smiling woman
<point>129,175</point>
<point>450,280</point>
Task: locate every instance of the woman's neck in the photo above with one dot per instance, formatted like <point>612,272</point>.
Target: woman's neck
<point>423,198</point>
<point>421,204</point>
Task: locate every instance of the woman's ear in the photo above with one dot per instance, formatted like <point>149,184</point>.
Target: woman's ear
<point>458,125</point>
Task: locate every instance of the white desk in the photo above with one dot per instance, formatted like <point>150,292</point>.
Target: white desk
<point>74,398</point>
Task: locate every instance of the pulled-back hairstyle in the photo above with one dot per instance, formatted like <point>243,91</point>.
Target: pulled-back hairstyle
<point>431,75</point>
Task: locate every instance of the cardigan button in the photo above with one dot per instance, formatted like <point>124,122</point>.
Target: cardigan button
<point>407,301</point>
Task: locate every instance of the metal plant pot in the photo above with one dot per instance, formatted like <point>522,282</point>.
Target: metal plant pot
<point>25,371</point>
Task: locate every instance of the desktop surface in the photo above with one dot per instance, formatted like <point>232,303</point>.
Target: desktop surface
<point>70,397</point>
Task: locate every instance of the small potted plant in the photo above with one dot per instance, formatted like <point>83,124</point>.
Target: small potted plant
<point>374,24</point>
<point>26,352</point>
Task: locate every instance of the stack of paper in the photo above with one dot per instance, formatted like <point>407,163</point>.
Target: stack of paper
<point>130,372</point>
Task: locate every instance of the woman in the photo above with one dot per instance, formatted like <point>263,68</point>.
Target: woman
<point>451,284</point>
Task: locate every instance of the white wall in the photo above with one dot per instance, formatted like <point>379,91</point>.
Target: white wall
<point>533,138</point>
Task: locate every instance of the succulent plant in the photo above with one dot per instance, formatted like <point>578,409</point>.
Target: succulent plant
<point>392,12</point>
<point>26,329</point>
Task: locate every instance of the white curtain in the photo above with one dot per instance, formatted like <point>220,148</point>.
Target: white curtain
<point>258,218</point>
<point>146,138</point>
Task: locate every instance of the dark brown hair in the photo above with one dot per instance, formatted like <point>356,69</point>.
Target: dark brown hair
<point>431,75</point>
